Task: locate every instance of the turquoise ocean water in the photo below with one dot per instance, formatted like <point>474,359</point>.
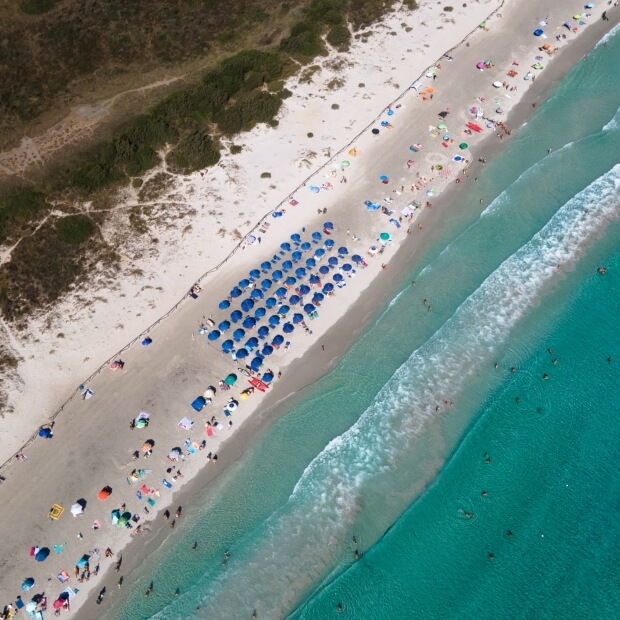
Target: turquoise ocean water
<point>364,453</point>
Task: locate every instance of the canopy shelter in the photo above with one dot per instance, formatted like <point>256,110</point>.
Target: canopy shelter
<point>78,508</point>
<point>104,493</point>
<point>199,403</point>
<point>55,512</point>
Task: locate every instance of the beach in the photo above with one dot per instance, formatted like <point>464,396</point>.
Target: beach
<point>180,364</point>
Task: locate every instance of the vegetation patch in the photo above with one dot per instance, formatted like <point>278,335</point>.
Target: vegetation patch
<point>18,210</point>
<point>74,229</point>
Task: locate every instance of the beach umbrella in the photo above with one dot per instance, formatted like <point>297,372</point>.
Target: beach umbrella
<point>300,272</point>
<point>42,554</point>
<point>314,279</point>
<point>286,246</point>
<point>538,32</point>
<point>277,340</point>
<point>27,584</point>
<point>338,278</point>
<point>444,113</point>
<point>268,377</point>
<point>384,179</point>
<point>241,353</point>
<point>295,238</point>
<point>304,289</point>
<point>274,320</point>
<point>214,335</point>
<point>277,275</point>
<point>227,346</point>
<point>224,326</point>
<point>317,298</point>
<point>265,266</point>
<point>375,131</point>
<point>463,146</point>
<point>263,331</point>
<point>342,251</point>
<point>249,322</point>
<point>320,252</point>
<point>305,246</point>
<point>247,305</point>
<point>255,273</point>
<point>271,302</point>
<point>356,258</point>
<point>235,316</point>
<point>316,236</point>
<point>266,285</point>
<point>346,267</point>
<point>385,236</point>
<point>257,294</point>
<point>224,304</point>
<point>267,350</point>
<point>296,256</point>
<point>294,300</point>
<point>259,313</point>
<point>284,310</point>
<point>244,283</point>
<point>236,292</point>
<point>328,226</point>
<point>281,292</point>
<point>324,270</point>
<point>330,243</point>
<point>256,363</point>
<point>310,263</point>
<point>46,433</point>
<point>288,328</point>
<point>309,308</point>
<point>332,260</point>
<point>328,288</point>
<point>287,266</point>
<point>252,343</point>
<point>290,281</point>
<point>298,318</point>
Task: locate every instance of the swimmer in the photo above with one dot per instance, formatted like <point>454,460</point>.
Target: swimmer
<point>554,362</point>
<point>518,400</point>
<point>149,590</point>
<point>513,370</point>
<point>546,377</point>
<point>509,533</point>
<point>496,365</point>
<point>357,555</point>
<point>484,494</point>
<point>602,271</point>
<point>610,360</point>
<point>177,592</point>
<point>177,514</point>
<point>254,616</point>
<point>487,458</point>
<point>195,546</point>
<point>491,556</point>
<point>339,608</point>
<point>120,582</point>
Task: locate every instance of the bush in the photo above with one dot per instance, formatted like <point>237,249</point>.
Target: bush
<point>194,152</point>
<point>339,37</point>
<point>18,209</point>
<point>248,111</point>
<point>74,229</point>
<point>36,7</point>
<point>304,40</point>
<point>448,9</point>
<point>235,149</point>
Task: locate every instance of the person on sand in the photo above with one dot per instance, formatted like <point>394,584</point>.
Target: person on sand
<point>149,590</point>
<point>177,514</point>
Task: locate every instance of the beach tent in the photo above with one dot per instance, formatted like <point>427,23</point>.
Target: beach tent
<point>77,509</point>
<point>317,298</point>
<point>356,258</point>
<point>342,251</point>
<point>309,308</point>
<point>198,404</point>
<point>305,246</point>
<point>296,256</point>
<point>46,432</point>
<point>263,331</point>
<point>236,292</point>
<point>268,377</point>
<point>267,350</point>
<point>42,554</point>
<point>231,379</point>
<point>314,279</point>
<point>266,284</point>
<point>265,266</point>
<point>104,493</point>
<point>27,584</point>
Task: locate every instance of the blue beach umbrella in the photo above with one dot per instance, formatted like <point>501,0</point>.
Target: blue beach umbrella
<point>305,246</point>
<point>214,335</point>
<point>309,308</point>
<point>241,353</point>
<point>290,281</point>
<point>287,266</point>
<point>277,275</point>
<point>259,313</point>
<point>224,304</point>
<point>286,246</point>
<point>249,322</point>
<point>304,289</point>
<point>294,300</point>
<point>263,331</point>
<point>277,340</point>
<point>227,346</point>
<point>42,554</point>
<point>316,236</point>
<point>235,316</point>
<point>247,305</point>
<point>330,243</point>
<point>324,269</point>
<point>295,238</point>
<point>257,294</point>
<point>346,267</point>
<point>298,318</point>
<point>317,298</point>
<point>267,350</point>
<point>252,343</point>
<point>300,272</point>
<point>266,285</point>
<point>356,258</point>
<point>281,292</point>
<point>255,273</point>
<point>328,226</point>
<point>27,584</point>
<point>236,292</point>
<point>238,335</point>
<point>343,251</point>
<point>283,310</point>
<point>265,267</point>
<point>320,252</point>
<point>314,279</point>
<point>271,302</point>
<point>224,326</point>
<point>310,263</point>
<point>288,328</point>
<point>243,284</point>
<point>268,377</point>
<point>274,320</point>
<point>328,288</point>
<point>338,278</point>
<point>332,260</point>
<point>256,363</point>
<point>296,256</point>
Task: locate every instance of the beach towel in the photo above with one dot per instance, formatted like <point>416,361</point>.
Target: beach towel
<point>209,431</point>
<point>186,424</point>
<point>145,489</point>
<point>150,501</point>
<point>167,484</point>
<point>63,577</point>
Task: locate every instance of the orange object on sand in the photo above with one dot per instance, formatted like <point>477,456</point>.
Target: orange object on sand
<point>104,493</point>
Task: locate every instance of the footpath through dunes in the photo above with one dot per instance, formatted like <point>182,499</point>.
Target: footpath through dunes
<point>163,378</point>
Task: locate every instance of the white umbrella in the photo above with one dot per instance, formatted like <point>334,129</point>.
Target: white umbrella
<point>77,510</point>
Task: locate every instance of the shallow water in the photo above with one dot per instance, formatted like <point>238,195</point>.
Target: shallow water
<point>365,450</point>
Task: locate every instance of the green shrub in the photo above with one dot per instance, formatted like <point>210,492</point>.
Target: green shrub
<point>20,208</point>
<point>304,40</point>
<point>195,151</point>
<point>248,111</point>
<point>265,175</point>
<point>235,149</point>
<point>448,9</point>
<point>36,7</point>
<point>74,229</point>
<point>137,183</point>
<point>339,37</point>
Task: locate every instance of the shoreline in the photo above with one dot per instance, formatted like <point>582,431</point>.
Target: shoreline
<point>365,309</point>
